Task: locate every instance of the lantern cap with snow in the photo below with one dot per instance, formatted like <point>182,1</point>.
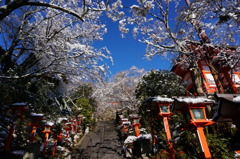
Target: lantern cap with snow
<point>62,120</point>
<point>36,119</point>
<point>228,108</point>
<point>47,127</point>
<point>193,110</point>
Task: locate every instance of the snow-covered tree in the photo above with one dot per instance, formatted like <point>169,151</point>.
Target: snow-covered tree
<point>51,44</point>
<point>117,93</point>
<point>168,26</point>
<point>43,39</point>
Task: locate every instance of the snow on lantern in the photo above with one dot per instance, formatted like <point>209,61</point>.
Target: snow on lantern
<point>136,123</point>
<point>194,112</point>
<point>18,110</point>
<point>62,120</point>
<point>164,106</point>
<point>47,131</point>
<point>35,122</point>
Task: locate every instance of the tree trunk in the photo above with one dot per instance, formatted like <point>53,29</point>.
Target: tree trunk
<point>215,75</point>
<point>196,79</point>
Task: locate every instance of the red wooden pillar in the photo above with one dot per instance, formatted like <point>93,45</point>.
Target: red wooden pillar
<point>169,138</point>
<point>203,143</point>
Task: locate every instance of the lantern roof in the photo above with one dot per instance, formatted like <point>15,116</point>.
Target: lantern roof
<point>181,103</point>
<point>235,98</point>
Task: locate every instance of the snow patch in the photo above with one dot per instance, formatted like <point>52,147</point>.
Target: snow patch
<point>194,100</point>
<point>161,99</point>
<point>49,123</point>
<point>36,115</point>
<point>236,99</point>
<point>18,152</point>
<point>130,139</point>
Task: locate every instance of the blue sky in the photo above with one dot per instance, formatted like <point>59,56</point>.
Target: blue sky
<point>128,52</point>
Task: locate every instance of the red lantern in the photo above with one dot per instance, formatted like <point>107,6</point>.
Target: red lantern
<point>136,123</point>
<point>194,112</point>
<point>47,131</point>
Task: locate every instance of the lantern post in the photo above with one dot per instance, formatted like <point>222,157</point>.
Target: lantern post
<point>136,123</point>
<point>194,112</point>
<point>18,110</point>
<point>164,106</point>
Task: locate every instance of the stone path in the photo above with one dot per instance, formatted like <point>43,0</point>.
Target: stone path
<point>102,143</point>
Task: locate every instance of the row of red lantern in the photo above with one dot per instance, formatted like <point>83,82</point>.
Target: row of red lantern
<point>19,109</point>
<point>70,125</point>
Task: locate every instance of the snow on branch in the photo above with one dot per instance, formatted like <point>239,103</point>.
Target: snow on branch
<point>55,7</point>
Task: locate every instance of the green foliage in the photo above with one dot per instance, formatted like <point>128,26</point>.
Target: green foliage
<point>189,144</point>
<point>158,83</point>
<point>84,91</point>
<point>219,146</point>
<point>85,109</point>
